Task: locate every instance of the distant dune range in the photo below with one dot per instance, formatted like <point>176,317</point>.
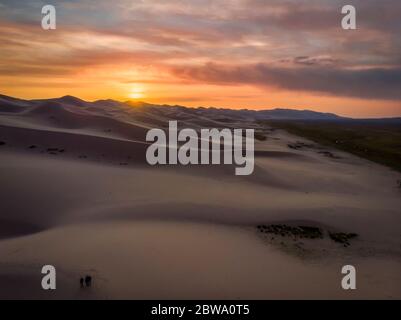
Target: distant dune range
<point>77,193</point>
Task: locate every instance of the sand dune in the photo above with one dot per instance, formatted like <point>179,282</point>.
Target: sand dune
<point>78,193</point>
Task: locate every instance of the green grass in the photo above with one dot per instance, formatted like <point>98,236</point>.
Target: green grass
<point>378,141</point>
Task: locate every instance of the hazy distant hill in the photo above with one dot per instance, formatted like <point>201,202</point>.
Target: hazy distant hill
<point>10,104</point>
<point>297,114</point>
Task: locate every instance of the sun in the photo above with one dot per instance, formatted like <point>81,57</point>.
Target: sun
<point>137,92</point>
<point>136,95</point>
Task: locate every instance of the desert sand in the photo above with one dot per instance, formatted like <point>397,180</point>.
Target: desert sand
<point>77,193</point>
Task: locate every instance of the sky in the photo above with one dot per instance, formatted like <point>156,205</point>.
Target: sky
<point>256,54</point>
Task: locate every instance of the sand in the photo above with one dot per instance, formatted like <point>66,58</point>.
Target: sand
<point>142,232</point>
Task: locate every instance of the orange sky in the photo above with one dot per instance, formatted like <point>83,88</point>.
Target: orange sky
<point>234,54</point>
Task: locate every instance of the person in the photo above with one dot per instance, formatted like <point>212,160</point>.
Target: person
<point>81,282</point>
<point>88,281</point>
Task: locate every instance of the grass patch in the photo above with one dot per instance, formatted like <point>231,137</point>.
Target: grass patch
<point>375,140</point>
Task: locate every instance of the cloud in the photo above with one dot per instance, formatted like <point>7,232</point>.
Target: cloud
<point>377,83</point>
<point>310,61</point>
<point>293,45</point>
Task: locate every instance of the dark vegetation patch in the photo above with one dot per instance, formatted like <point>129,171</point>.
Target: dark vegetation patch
<point>286,231</point>
<point>329,154</point>
<point>343,238</point>
<point>54,151</point>
<point>260,136</point>
<point>305,232</point>
<point>375,140</point>
<point>300,145</point>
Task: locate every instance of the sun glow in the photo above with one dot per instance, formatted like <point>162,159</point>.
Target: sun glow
<point>137,92</point>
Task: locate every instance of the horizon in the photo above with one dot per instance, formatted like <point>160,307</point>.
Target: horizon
<point>161,104</point>
<point>245,53</point>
